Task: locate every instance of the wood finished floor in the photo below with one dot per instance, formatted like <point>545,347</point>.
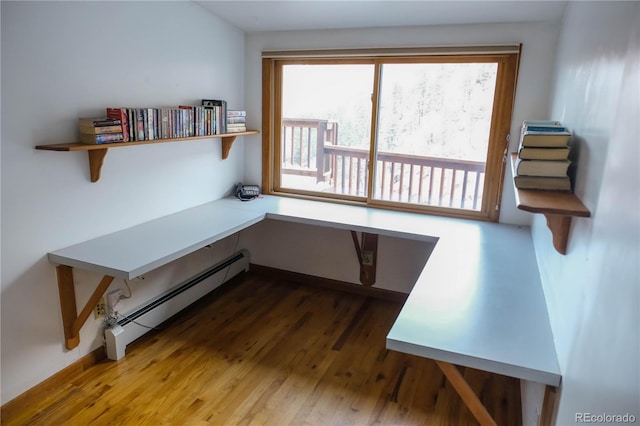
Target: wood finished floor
<point>267,351</point>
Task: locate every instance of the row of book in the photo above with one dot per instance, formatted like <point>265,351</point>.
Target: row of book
<point>543,156</point>
<point>147,124</point>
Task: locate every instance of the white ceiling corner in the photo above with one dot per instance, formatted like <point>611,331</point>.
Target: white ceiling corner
<point>271,15</point>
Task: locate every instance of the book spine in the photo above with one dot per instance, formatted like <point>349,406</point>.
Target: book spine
<point>100,130</point>
<point>153,121</point>
<point>131,117</point>
<point>216,114</point>
<point>222,120</point>
<point>145,123</point>
<point>140,121</point>
<point>201,131</point>
<point>164,122</point>
<point>550,129</point>
<point>541,122</point>
<point>109,137</point>
<point>223,116</point>
<point>181,123</point>
<point>99,122</point>
<point>101,138</point>
<point>175,122</point>
<point>149,123</point>
<point>196,121</point>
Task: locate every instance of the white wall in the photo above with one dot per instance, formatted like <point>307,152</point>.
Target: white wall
<point>537,62</point>
<point>63,60</point>
<point>330,253</point>
<point>593,292</point>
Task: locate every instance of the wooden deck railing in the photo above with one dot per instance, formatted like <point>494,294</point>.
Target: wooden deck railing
<point>310,149</point>
<point>303,142</point>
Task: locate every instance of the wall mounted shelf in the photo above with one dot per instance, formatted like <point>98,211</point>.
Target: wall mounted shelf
<point>557,206</point>
<point>97,152</point>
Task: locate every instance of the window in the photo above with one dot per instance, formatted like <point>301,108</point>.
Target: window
<point>420,132</point>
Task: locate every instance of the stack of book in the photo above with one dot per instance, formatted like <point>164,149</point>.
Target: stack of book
<point>98,130</point>
<point>236,121</point>
<point>123,124</point>
<point>543,157</point>
<point>172,122</point>
<point>218,109</point>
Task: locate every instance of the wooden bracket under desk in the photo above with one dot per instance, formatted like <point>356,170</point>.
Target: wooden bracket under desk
<point>473,403</point>
<point>367,256</point>
<point>467,395</point>
<point>71,321</point>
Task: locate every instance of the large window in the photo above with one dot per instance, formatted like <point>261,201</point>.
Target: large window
<point>419,132</point>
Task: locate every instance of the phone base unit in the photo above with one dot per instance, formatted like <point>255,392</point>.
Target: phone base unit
<point>247,192</point>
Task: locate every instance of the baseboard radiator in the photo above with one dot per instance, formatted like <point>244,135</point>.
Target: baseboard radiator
<point>170,303</point>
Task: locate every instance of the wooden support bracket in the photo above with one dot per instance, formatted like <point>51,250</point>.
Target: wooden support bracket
<point>96,159</point>
<point>367,252</point>
<point>227,143</point>
<point>71,321</point>
<point>476,407</point>
<point>559,225</point>
<point>548,406</point>
<point>467,394</point>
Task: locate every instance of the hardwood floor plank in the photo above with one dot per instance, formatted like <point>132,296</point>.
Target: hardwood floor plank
<point>267,350</point>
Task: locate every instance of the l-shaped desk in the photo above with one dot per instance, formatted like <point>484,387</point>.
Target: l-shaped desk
<point>477,303</point>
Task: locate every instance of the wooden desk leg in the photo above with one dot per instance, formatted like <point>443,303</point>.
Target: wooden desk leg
<point>71,321</point>
<point>467,395</point>
<point>548,406</point>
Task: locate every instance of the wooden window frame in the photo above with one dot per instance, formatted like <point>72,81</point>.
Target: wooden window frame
<point>504,95</point>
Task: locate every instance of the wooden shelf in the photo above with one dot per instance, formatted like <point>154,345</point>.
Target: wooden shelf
<point>557,206</point>
<point>97,152</point>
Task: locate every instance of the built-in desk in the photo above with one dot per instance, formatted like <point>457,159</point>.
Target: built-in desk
<point>132,252</point>
<point>478,302</point>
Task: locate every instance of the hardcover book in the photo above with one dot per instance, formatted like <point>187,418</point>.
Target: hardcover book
<point>236,120</point>
<point>545,139</point>
<point>100,129</point>
<point>544,153</point>
<point>98,121</point>
<point>101,138</point>
<point>546,183</point>
<point>140,130</point>
<point>542,168</point>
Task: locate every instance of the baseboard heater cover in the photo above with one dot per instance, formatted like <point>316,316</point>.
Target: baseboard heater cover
<point>170,303</point>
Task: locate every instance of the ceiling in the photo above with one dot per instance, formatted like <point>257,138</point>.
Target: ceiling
<point>268,15</point>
